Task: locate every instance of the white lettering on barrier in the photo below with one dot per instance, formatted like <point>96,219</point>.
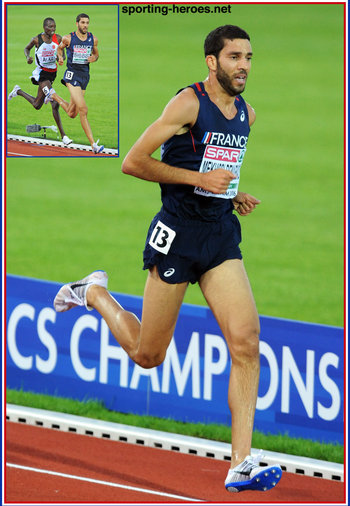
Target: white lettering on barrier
<point>21,311</point>
<point>306,391</point>
<point>330,386</point>
<point>26,362</point>
<point>191,363</point>
<point>266,401</point>
<point>46,366</point>
<point>82,323</point>
<point>151,373</point>
<point>114,352</point>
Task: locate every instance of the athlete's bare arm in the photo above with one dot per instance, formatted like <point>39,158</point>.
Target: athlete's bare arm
<point>181,111</point>
<point>34,42</point>
<point>60,50</point>
<point>59,39</point>
<point>251,114</point>
<point>94,55</point>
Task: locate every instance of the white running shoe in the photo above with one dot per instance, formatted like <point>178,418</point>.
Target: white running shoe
<point>74,294</point>
<point>96,148</point>
<point>249,476</point>
<point>48,98</point>
<point>13,93</point>
<point>66,140</point>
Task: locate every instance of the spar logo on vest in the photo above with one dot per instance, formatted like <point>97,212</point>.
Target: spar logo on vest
<point>223,151</point>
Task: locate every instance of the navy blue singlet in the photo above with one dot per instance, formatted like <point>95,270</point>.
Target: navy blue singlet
<point>213,142</point>
<point>78,52</point>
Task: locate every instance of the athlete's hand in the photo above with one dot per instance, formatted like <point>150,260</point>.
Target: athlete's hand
<point>29,60</point>
<point>216,181</point>
<point>244,203</point>
<point>60,60</point>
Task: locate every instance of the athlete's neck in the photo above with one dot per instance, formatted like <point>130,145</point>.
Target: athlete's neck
<point>46,38</point>
<point>80,35</point>
<point>217,94</point>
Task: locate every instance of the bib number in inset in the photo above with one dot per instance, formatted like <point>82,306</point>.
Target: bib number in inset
<point>69,75</point>
<point>162,237</point>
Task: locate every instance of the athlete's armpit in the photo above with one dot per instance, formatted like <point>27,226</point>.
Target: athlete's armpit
<point>251,114</point>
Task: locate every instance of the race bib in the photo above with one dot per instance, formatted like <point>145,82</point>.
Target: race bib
<point>81,54</point>
<point>220,157</point>
<point>69,75</point>
<point>48,57</point>
<point>162,237</point>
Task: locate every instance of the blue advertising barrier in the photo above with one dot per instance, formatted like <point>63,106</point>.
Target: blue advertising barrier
<point>73,354</point>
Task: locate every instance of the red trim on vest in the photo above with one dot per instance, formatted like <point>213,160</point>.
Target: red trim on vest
<point>198,86</point>
<point>194,147</point>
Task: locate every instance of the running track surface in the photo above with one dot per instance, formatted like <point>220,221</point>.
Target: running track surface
<point>87,469</point>
<point>26,149</point>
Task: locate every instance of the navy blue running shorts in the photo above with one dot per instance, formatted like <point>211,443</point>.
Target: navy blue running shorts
<point>183,250</point>
<point>76,78</point>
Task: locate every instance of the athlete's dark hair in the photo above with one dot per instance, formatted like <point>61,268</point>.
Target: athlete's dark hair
<point>82,15</point>
<point>215,40</point>
<point>46,21</point>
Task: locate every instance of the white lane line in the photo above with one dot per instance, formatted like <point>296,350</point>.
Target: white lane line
<point>17,154</point>
<point>101,482</point>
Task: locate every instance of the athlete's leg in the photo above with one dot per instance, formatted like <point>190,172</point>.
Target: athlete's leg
<point>228,293</point>
<point>146,343</point>
<point>69,107</point>
<point>38,101</point>
<point>77,97</point>
<point>57,117</point>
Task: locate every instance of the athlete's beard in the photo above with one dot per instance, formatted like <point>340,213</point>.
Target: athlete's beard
<point>226,82</point>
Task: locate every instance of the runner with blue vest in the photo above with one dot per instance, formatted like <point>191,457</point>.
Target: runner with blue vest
<point>203,134</point>
<point>82,50</point>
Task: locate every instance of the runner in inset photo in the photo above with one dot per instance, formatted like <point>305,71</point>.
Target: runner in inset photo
<point>81,47</point>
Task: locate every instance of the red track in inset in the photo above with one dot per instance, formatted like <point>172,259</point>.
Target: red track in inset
<point>112,467</point>
<point>26,149</point>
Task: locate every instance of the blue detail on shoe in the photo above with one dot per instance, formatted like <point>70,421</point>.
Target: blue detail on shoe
<point>264,480</point>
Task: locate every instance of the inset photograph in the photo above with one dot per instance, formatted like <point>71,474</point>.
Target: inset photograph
<point>62,80</point>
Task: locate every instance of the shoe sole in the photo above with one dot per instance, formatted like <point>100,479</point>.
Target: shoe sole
<point>262,481</point>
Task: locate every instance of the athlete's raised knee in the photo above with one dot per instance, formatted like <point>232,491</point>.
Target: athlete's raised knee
<point>72,113</point>
<point>148,360</point>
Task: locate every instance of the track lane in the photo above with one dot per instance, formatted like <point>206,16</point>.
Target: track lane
<point>26,149</point>
<point>129,465</point>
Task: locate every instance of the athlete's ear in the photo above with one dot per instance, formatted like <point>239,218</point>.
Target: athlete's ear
<point>211,62</point>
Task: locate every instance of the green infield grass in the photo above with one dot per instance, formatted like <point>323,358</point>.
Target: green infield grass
<point>25,22</point>
<point>68,217</point>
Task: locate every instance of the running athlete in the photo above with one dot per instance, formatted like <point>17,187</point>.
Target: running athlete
<point>195,237</point>
<point>81,51</point>
<point>46,44</point>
